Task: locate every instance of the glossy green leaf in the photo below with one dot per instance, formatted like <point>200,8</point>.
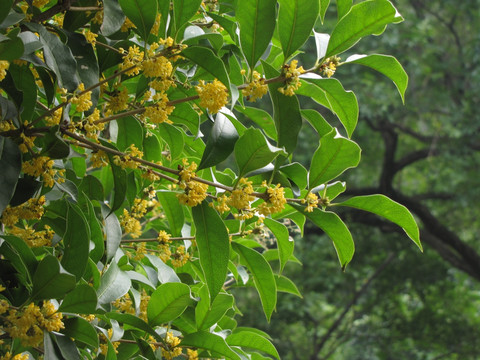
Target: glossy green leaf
<point>286,112</point>
<point>173,137</point>
<point>114,284</point>
<point>113,231</point>
<point>168,302</point>
<point>113,17</point>
<point>253,151</point>
<point>142,13</point>
<point>336,230</point>
<point>12,18</point>
<point>76,241</point>
<point>54,146</point>
<point>11,165</point>
<point>11,49</point>
<point>50,350</point>
<point>252,340</point>
<point>297,173</point>
<point>82,300</point>
<point>81,330</point>
<point>50,280</point>
<point>317,121</point>
<point>133,321</point>
<point>183,10</point>
<point>213,246</point>
<point>387,65</point>
<point>25,254</point>
<point>286,285</point>
<point>363,19</point>
<point>111,351</point>
<point>164,272</point>
<point>25,82</point>
<point>262,277</point>
<point>207,314</point>
<point>119,180</point>
<point>58,57</point>
<point>343,7</point>
<point>5,9</point>
<point>210,342</point>
<point>76,19</point>
<point>220,142</point>
<point>173,210</point>
<point>390,210</point>
<point>296,19</point>
<point>334,155</point>
<point>67,347</point>
<point>152,151</point>
<point>323,8</point>
<point>195,35</point>
<point>257,19</point>
<point>285,246</point>
<point>92,187</point>
<point>343,103</point>
<point>261,118</point>
<point>130,132</point>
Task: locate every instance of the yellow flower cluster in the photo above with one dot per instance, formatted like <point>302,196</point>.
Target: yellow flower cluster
<point>242,195</point>
<point>32,237</point>
<point>195,192</point>
<point>43,166</point>
<point>118,101</point>
<point>104,346</point>
<point>156,25</point>
<point>256,88</point>
<point>55,118</point>
<point>91,126</point>
<point>99,159</point>
<point>8,356</point>
<point>133,57</point>
<point>157,66</point>
<point>83,102</point>
<point>276,201</point>
<point>159,111</point>
<point>91,37</point>
<point>192,354</point>
<point>125,304</point>
<point>144,299</point>
<point>180,257</point>
<point>172,349</point>
<point>126,161</point>
<point>164,245</point>
<point>29,323</point>
<point>27,143</point>
<point>213,96</point>
<point>291,74</point>
<point>40,3</point>
<point>130,221</point>
<point>329,66</point>
<point>312,202</point>
<point>3,69</point>
<point>30,210</point>
<point>127,25</point>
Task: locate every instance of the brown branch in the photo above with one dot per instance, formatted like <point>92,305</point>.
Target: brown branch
<point>60,6</point>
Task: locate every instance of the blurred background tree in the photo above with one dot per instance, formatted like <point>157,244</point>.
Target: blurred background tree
<point>394,303</point>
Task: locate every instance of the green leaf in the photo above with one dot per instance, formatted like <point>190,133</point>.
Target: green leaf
<point>67,347</point>
<point>213,246</point>
<point>343,103</point>
<point>113,231</point>
<point>11,49</point>
<point>194,35</point>
<point>252,340</point>
<point>286,112</point>
<point>343,7</point>
<point>173,137</point>
<point>317,121</point>
<point>54,145</point>
<point>133,321</point>
<point>114,284</point>
<point>76,19</point>
<point>152,151</point>
<point>261,118</point>
<point>210,342</point>
<point>130,132</point>
<point>51,352</point>
<point>5,9</point>
<point>76,242</point>
<point>257,21</point>
<point>285,246</point>
<point>206,58</point>
<point>92,187</point>
<point>119,179</point>
<point>253,151</point>
<point>220,142</point>
<point>323,8</point>
<point>262,276</point>
<point>165,273</point>
<point>296,19</point>
<point>336,230</point>
<point>286,285</point>
<point>183,10</point>
<point>168,302</point>
<point>207,314</point>
<point>23,251</point>
<point>142,13</point>
<point>82,300</point>
<point>387,65</point>
<point>173,210</point>
<point>297,173</point>
<point>81,330</point>
<point>113,17</point>
<point>25,82</point>
<point>11,165</point>
<point>334,155</point>
<point>50,280</point>
<point>111,352</point>
<point>363,19</point>
<point>390,210</point>
<point>58,57</point>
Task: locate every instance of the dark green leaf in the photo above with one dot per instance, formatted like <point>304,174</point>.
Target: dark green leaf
<point>253,151</point>
<point>363,19</point>
<point>113,231</point>
<point>50,280</point>
<point>323,8</point>
<point>183,10</point>
<point>130,132</point>
<point>390,210</point>
<point>173,137</point>
<point>67,347</point>
<point>343,7</point>
<point>220,143</point>
<point>387,65</point>
<point>76,19</point>
<point>133,321</point>
<point>213,246</point>
<point>23,251</point>
<point>168,302</point>
<point>211,342</point>
<point>114,284</point>
<point>4,10</point>
<point>25,82</point>
<point>142,13</point>
<point>285,246</point>
<point>11,165</point>
<point>257,19</point>
<point>296,19</point>
<point>173,210</point>
<point>92,187</point>
<point>50,350</point>
<point>195,35</point>
<point>207,314</point>
<point>261,118</point>
<point>54,145</point>
<point>81,330</point>
<point>119,179</point>
<point>252,340</point>
<point>317,121</point>
<point>262,276</point>
<point>113,17</point>
<point>82,300</point>
<point>152,151</point>
<point>11,49</point>
<point>297,173</point>
<point>286,285</point>
<point>334,155</point>
<point>12,18</point>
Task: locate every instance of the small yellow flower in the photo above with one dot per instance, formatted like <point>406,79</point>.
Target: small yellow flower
<point>242,195</point>
<point>127,160</point>
<point>40,3</point>
<point>158,112</point>
<point>30,210</point>
<point>291,74</point>
<point>83,102</point>
<point>329,66</point>
<point>91,37</point>
<point>172,349</point>
<point>255,89</point>
<point>43,166</point>
<point>213,96</point>
<point>275,203</point>
<point>192,354</point>
<point>99,159</point>
<point>180,257</point>
<point>127,25</point>
<point>119,100</point>
<point>312,202</point>
<point>131,58</point>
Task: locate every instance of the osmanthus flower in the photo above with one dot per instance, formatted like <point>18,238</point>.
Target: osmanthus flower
<point>131,58</point>
<point>275,202</point>
<point>104,346</point>
<point>164,252</point>
<point>192,354</point>
<point>213,96</point>
<point>172,349</point>
<point>159,111</point>
<point>90,125</point>
<point>312,202</point>
<point>99,159</point>
<point>241,197</point>
<point>118,100</point>
<point>328,67</point>
<point>291,74</point>
<point>90,36</point>
<point>43,166</point>
<point>40,3</point>
<point>157,66</point>
<point>256,88</point>
<point>126,161</point>
<point>127,25</point>
<point>180,257</point>
<point>194,191</point>
<point>130,221</point>
<point>32,209</point>
<point>8,356</point>
<point>83,102</point>
<point>55,118</point>
<point>34,238</point>
<point>4,65</point>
